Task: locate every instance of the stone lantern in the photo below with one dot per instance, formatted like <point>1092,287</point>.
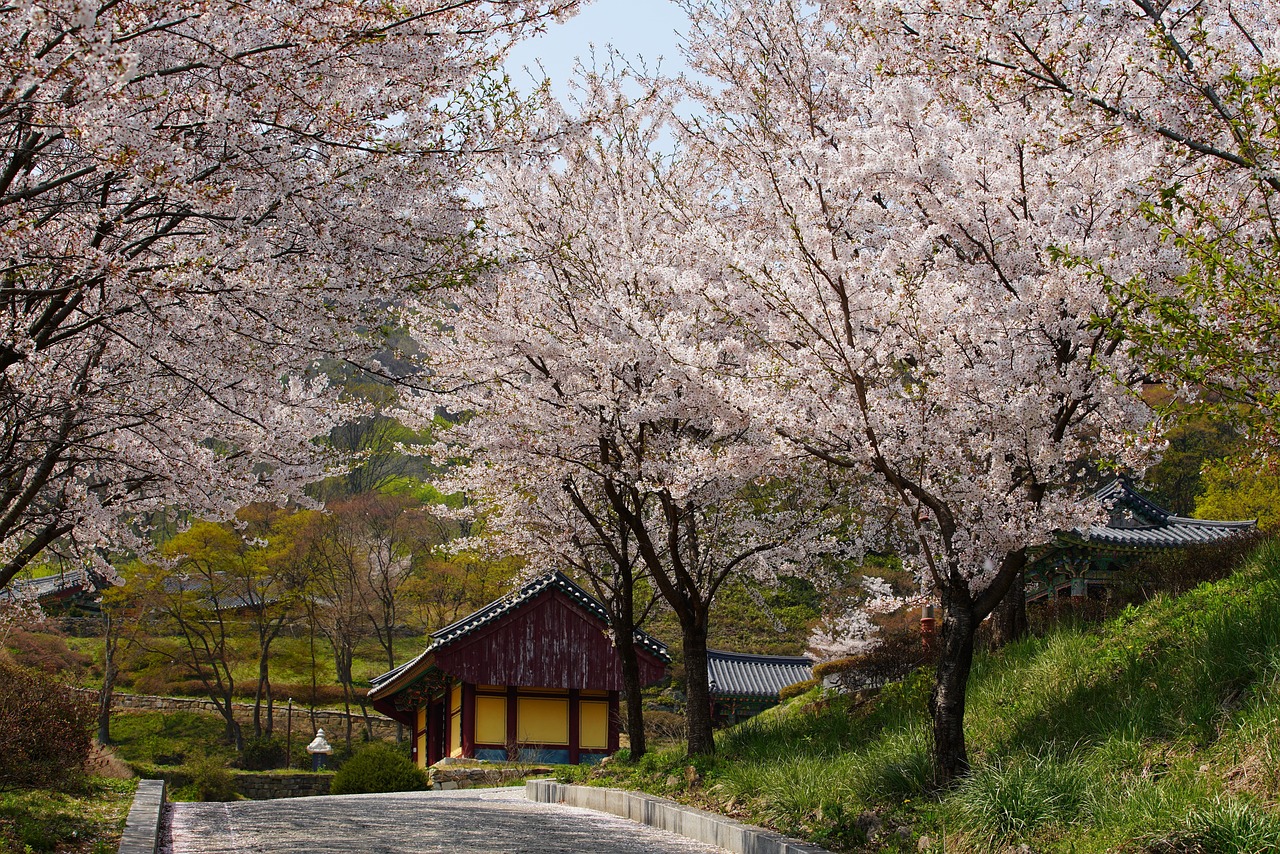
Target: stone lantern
<point>319,750</point>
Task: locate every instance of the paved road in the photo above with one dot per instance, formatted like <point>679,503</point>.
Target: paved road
<point>467,820</point>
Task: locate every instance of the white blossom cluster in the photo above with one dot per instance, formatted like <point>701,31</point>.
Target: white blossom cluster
<point>198,201</point>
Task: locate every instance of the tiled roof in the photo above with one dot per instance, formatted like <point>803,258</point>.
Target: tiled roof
<point>1137,522</point>
<point>740,675</point>
<point>505,605</point>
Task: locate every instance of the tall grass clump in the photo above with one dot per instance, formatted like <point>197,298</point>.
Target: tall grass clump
<point>1222,826</point>
<point>1011,800</point>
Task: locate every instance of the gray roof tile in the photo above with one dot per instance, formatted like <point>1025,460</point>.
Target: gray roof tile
<point>1138,522</point>
<point>740,675</point>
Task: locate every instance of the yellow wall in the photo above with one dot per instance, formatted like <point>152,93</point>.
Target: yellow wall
<point>455,734</point>
<point>542,720</point>
<point>593,725</point>
<point>491,720</point>
<point>422,736</point>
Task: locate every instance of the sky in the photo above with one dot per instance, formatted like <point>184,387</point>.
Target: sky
<point>637,28</point>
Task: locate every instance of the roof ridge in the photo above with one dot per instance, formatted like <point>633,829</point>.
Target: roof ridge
<point>758,655</point>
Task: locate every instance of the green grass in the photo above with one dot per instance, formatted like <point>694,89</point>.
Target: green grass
<point>168,738</point>
<point>89,820</point>
<point>1156,731</point>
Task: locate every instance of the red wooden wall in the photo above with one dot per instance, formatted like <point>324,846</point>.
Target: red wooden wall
<point>550,643</point>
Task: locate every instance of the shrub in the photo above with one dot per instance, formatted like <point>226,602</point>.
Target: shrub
<point>262,754</point>
<point>378,768</point>
<point>664,726</point>
<point>899,653</point>
<point>303,695</point>
<point>103,762</point>
<point>1175,571</point>
<point>798,688</point>
<point>47,652</point>
<point>45,729</point>
<point>210,779</point>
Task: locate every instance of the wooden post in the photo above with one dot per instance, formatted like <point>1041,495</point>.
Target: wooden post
<point>513,740</point>
<point>435,738</point>
<point>468,719</point>
<point>574,724</point>
<point>413,730</point>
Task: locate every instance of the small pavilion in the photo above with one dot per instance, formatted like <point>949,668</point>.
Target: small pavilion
<point>1084,560</point>
<point>531,676</point>
<point>743,685</point>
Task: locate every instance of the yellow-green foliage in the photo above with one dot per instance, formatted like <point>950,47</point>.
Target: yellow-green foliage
<point>1241,489</point>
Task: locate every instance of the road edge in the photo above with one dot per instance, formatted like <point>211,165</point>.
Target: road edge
<point>142,827</point>
<point>696,824</point>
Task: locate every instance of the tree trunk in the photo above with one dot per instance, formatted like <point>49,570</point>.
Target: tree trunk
<point>258,695</point>
<point>106,695</point>
<point>1009,621</point>
<point>947,701</point>
<point>698,713</point>
<point>631,689</point>
<point>234,734</point>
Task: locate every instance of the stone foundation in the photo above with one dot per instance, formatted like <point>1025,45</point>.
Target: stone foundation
<point>453,775</point>
<point>266,787</point>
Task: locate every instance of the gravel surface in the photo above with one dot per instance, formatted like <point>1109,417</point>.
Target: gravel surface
<point>472,820</point>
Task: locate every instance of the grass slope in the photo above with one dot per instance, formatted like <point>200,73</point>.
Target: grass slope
<point>88,820</point>
<point>1156,731</point>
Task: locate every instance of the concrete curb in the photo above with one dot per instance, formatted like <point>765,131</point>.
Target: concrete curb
<point>695,824</point>
<point>142,827</point>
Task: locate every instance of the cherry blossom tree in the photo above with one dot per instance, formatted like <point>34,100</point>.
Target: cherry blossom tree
<point>904,315</point>
<point>582,361</point>
<point>200,199</point>
<point>1192,86</point>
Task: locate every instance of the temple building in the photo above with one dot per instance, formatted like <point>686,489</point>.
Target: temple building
<point>532,676</point>
<point>744,685</point>
<point>1083,561</point>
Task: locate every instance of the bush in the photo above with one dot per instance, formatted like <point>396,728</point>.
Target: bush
<point>262,754</point>
<point>898,654</point>
<point>798,688</point>
<point>378,768</point>
<point>1009,801</point>
<point>303,695</point>
<point>46,652</point>
<point>45,730</point>
<point>1223,826</point>
<point>210,779</point>
<point>1175,571</point>
<point>664,726</point>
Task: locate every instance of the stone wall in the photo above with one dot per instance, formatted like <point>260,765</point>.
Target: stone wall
<point>332,721</point>
<point>266,787</point>
<point>460,776</point>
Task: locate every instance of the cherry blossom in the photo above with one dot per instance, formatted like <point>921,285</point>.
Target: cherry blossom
<point>199,201</point>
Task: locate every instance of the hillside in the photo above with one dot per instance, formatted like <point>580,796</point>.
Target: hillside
<point>1156,731</point>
